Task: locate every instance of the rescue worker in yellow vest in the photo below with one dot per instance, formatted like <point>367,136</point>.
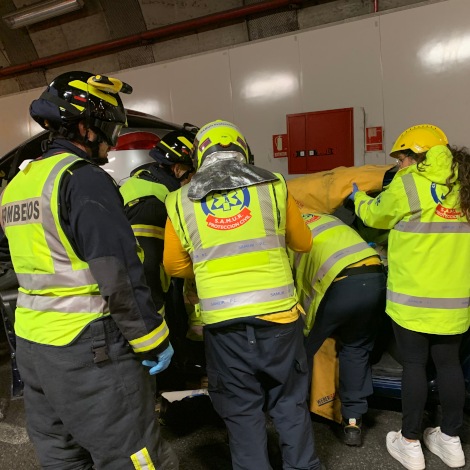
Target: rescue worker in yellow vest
<point>427,209</point>
<point>229,228</point>
<point>85,317</point>
<point>341,286</point>
<point>144,196</point>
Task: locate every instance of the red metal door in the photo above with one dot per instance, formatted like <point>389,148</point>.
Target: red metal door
<point>320,141</point>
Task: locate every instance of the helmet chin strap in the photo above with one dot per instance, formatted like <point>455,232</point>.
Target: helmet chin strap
<point>94,146</point>
<point>185,175</point>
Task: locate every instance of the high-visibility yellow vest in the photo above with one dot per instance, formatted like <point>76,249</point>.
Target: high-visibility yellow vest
<point>136,187</point>
<point>335,246</point>
<point>428,250</point>
<point>236,240</point>
<point>132,191</point>
<point>58,296</point>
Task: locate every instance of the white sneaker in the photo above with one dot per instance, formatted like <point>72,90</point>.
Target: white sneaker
<point>450,452</point>
<point>410,455</point>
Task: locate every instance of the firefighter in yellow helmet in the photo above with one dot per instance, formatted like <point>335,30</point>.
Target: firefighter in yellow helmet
<point>85,321</point>
<point>229,228</point>
<point>427,209</point>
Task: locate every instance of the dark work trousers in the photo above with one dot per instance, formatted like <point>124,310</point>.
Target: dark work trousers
<point>350,310</point>
<point>83,415</point>
<point>254,369</point>
<point>414,348</point>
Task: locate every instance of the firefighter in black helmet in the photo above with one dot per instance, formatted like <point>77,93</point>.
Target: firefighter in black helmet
<point>173,157</point>
<point>81,97</point>
<point>144,195</point>
<point>85,319</point>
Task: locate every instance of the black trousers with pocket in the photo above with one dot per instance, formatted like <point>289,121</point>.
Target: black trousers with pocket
<point>350,310</point>
<point>83,415</point>
<point>258,369</point>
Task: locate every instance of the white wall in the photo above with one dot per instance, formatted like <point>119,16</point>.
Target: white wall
<point>402,68</point>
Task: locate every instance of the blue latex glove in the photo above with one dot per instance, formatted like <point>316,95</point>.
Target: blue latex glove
<point>354,191</point>
<point>162,362</point>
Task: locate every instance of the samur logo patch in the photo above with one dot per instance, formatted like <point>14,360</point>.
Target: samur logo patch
<point>227,210</point>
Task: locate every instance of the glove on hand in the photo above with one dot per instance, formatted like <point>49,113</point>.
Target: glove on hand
<point>162,362</point>
<point>354,191</point>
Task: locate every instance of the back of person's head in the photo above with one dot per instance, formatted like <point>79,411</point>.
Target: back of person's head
<point>417,140</point>
<point>78,96</point>
<point>461,166</point>
<point>174,147</point>
<point>219,136</point>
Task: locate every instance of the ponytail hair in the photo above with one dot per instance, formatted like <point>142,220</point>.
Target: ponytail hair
<point>461,163</point>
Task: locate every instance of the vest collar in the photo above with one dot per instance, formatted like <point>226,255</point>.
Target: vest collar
<point>63,145</point>
<point>224,175</point>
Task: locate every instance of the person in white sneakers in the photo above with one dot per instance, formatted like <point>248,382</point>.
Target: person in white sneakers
<point>407,452</point>
<point>410,455</point>
<point>427,209</point>
<point>447,448</point>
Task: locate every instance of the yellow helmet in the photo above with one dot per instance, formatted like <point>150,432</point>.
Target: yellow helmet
<point>420,139</point>
<point>218,136</point>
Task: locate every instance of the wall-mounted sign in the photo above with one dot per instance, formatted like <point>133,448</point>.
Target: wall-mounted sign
<point>374,139</point>
<point>280,145</point>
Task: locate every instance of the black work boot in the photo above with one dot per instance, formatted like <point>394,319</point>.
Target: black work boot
<point>352,432</point>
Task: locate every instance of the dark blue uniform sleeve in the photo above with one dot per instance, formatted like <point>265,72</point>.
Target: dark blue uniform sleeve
<point>93,218</point>
<point>151,213</point>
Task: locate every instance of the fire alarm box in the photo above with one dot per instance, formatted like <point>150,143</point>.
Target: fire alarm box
<point>320,140</point>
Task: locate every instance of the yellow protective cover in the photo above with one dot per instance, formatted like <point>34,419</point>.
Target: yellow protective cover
<point>324,397</point>
<point>325,191</point>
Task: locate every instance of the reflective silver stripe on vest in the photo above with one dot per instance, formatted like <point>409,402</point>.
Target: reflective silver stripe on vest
<point>64,275</point>
<point>433,227</point>
<point>315,232</point>
<point>239,248</point>
<point>247,298</point>
<point>66,278</point>
<point>267,211</point>
<point>428,302</point>
<point>68,304</point>
<point>308,299</point>
<point>321,228</point>
<point>412,195</point>
<point>331,261</point>
<point>191,222</point>
<point>51,233</point>
<point>335,257</point>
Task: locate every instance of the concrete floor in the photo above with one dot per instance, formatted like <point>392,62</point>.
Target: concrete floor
<point>206,448</point>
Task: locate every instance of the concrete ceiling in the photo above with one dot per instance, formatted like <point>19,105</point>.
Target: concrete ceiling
<point>104,21</point>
